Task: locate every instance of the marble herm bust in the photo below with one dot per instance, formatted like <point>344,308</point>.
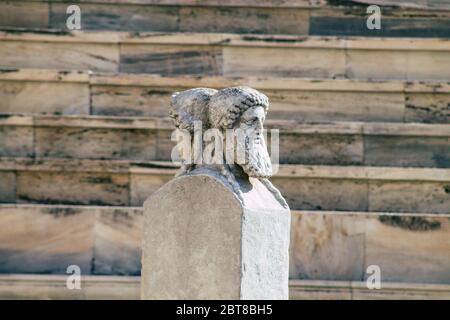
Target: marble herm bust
<point>238,112</point>
<point>219,229</point>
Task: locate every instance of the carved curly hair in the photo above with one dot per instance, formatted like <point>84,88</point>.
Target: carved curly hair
<point>215,109</point>
<point>227,105</point>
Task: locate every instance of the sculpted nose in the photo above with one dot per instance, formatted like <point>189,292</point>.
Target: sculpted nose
<point>259,125</point>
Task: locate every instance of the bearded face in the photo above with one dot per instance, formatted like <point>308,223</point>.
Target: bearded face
<point>255,160</point>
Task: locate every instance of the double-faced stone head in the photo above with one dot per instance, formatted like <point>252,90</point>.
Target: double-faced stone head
<point>236,112</point>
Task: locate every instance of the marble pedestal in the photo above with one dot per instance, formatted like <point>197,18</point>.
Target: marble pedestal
<point>201,242</point>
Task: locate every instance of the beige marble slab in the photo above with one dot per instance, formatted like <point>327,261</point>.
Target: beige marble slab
<point>244,20</point>
<point>118,233</point>
<point>288,62</point>
<point>45,240</point>
<point>376,64</point>
<point>409,196</point>
<point>95,143</point>
<point>7,186</point>
<point>32,97</point>
<point>428,107</point>
<point>343,106</point>
<point>72,188</point>
<point>347,187</point>
<point>323,194</point>
<point>131,101</point>
<point>142,185</point>
<point>428,65</point>
<point>342,245</point>
<point>60,55</point>
<point>409,250</point>
<point>16,141</point>
<point>170,59</point>
<point>327,247</point>
<point>45,287</point>
<point>123,16</point>
<point>321,149</point>
<point>407,151</point>
<point>24,14</point>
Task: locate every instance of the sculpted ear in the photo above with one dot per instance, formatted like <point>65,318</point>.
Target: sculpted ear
<point>189,106</point>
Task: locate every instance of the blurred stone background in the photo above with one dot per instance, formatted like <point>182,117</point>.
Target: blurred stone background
<point>364,119</point>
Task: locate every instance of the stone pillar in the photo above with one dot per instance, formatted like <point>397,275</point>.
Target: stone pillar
<point>202,242</point>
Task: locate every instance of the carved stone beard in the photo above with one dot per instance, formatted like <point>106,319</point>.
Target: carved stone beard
<point>257,160</point>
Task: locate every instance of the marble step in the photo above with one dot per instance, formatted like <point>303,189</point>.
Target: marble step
<point>37,91</point>
<point>407,18</point>
<point>53,287</point>
<point>306,187</point>
<point>219,54</point>
<point>325,245</point>
<point>149,139</point>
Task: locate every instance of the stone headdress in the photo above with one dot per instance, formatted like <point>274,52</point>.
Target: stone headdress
<point>215,109</point>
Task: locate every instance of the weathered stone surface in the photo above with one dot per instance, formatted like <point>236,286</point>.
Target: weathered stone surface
<point>321,149</point>
<point>165,145</point>
<point>49,238</point>
<point>130,101</point>
<point>53,287</point>
<point>143,185</point>
<point>44,97</point>
<point>413,249</point>
<point>319,290</point>
<point>428,65</point>
<point>357,290</point>
<point>24,14</point>
<point>307,62</point>
<point>325,105</point>
<point>340,246</point>
<point>427,107</point>
<point>7,187</point>
<point>122,17</point>
<point>170,59</point>
<point>315,17</point>
<point>395,22</point>
<point>409,65</point>
<point>229,54</point>
<point>45,287</point>
<point>60,55</point>
<point>324,244</point>
<point>94,188</point>
<point>149,139</point>
<point>400,291</point>
<point>327,247</point>
<point>244,20</point>
<point>391,189</point>
<point>118,235</point>
<point>16,141</point>
<point>409,196</point>
<point>308,194</point>
<point>366,64</point>
<point>192,250</point>
<point>403,151</point>
<point>45,240</point>
<point>39,92</point>
<point>96,143</point>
